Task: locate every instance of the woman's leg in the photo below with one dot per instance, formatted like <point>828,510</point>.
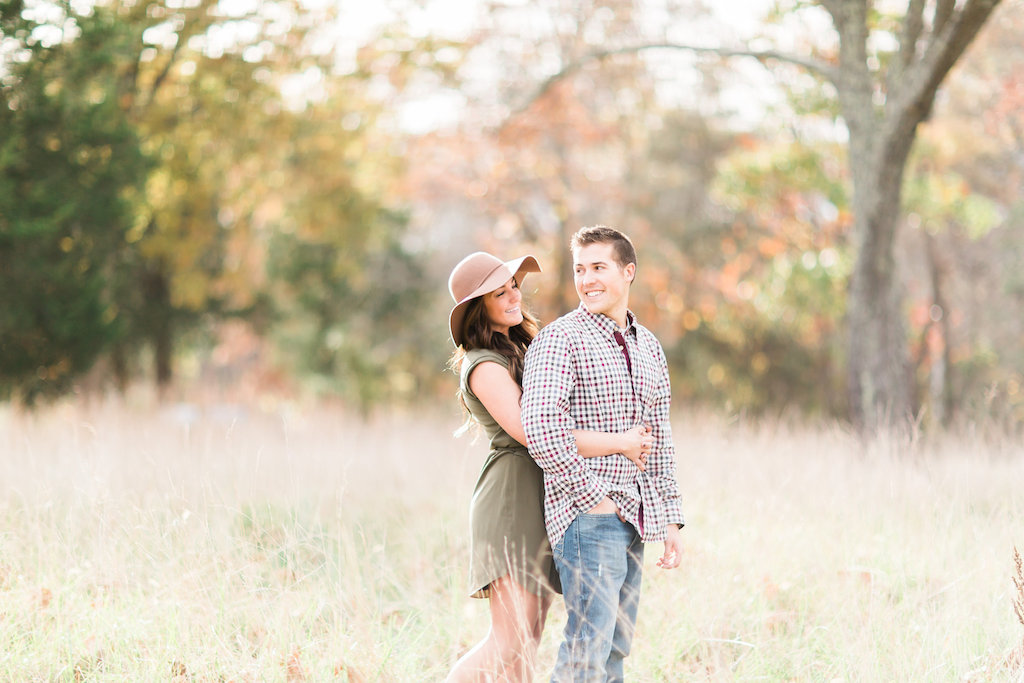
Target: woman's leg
<point>508,651</point>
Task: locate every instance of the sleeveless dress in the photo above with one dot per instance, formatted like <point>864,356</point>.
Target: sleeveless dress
<point>506,515</point>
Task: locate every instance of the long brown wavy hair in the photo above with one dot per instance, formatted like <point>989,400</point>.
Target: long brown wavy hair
<point>477,333</point>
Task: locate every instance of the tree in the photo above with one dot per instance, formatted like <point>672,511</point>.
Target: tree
<point>964,216</point>
<point>159,166</point>
<point>762,291</point>
<point>201,83</point>
<point>886,71</point>
<point>93,90</point>
<point>884,95</point>
<point>70,164</point>
<point>346,296</point>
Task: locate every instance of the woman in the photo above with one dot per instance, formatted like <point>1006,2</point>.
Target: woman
<point>510,559</point>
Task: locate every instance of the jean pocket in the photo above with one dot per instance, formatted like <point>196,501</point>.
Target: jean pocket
<point>601,523</point>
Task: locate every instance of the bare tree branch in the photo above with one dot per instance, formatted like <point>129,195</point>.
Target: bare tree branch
<point>923,78</point>
<point>194,22</point>
<point>162,76</point>
<point>823,69</point>
<point>913,25</point>
<point>943,12</point>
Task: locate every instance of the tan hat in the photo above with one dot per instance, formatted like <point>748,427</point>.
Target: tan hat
<point>478,274</point>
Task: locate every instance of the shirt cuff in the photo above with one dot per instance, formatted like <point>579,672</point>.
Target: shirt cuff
<point>674,515</point>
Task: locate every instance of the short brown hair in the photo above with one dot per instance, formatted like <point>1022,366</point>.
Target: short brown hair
<point>622,247</point>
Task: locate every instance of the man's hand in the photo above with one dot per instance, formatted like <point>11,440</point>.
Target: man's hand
<point>673,554</point>
<point>605,507</point>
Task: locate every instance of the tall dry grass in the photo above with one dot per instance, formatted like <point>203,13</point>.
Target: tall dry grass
<point>306,544</point>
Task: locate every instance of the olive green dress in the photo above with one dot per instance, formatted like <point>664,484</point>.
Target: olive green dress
<point>506,515</point>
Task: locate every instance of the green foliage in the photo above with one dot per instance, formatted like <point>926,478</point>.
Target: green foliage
<point>937,201</point>
<point>156,179</point>
<point>766,292</point>
<point>69,162</point>
<point>351,321</point>
<point>780,350</point>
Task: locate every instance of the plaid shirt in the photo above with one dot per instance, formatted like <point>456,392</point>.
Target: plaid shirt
<point>575,378</point>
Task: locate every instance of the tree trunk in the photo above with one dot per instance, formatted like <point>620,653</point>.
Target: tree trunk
<point>882,132</point>
<point>878,362</point>
<point>160,327</point>
<point>939,381</point>
<point>162,353</point>
<point>119,367</point>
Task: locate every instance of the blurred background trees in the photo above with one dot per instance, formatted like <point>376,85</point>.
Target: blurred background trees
<point>266,197</point>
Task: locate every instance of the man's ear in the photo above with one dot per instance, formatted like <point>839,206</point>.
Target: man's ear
<point>630,271</point>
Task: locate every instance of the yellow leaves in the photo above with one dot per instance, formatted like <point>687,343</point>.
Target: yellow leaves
<point>716,374</point>
<point>759,363</point>
<point>55,371</point>
<point>936,201</point>
<point>690,320</point>
<point>707,308</point>
<point>138,228</point>
<point>93,155</point>
<point>189,289</point>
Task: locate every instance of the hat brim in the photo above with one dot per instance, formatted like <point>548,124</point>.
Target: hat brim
<point>517,268</point>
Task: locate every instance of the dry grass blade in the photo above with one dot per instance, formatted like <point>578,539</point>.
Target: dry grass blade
<point>1015,662</point>
<point>1018,580</point>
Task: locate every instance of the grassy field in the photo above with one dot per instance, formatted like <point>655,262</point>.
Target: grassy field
<point>219,544</point>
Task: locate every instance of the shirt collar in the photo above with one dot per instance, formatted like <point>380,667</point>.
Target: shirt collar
<point>606,324</point>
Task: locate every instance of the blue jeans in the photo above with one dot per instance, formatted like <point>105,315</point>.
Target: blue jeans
<point>600,562</point>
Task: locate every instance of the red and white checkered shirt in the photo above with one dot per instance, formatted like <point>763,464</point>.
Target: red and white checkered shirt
<point>575,377</point>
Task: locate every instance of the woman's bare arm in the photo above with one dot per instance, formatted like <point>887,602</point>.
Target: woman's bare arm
<point>634,443</point>
<point>491,383</point>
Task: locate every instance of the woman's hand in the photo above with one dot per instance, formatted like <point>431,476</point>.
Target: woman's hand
<point>636,445</point>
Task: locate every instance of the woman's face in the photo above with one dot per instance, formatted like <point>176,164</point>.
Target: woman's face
<point>502,306</point>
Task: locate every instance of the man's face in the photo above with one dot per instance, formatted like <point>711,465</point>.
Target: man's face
<point>601,284</point>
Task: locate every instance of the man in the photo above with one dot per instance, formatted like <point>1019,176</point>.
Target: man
<point>597,368</point>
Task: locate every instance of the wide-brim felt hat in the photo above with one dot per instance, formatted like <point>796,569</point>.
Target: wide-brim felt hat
<point>478,274</point>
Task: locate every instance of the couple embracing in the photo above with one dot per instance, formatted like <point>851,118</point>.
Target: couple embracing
<point>581,471</point>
